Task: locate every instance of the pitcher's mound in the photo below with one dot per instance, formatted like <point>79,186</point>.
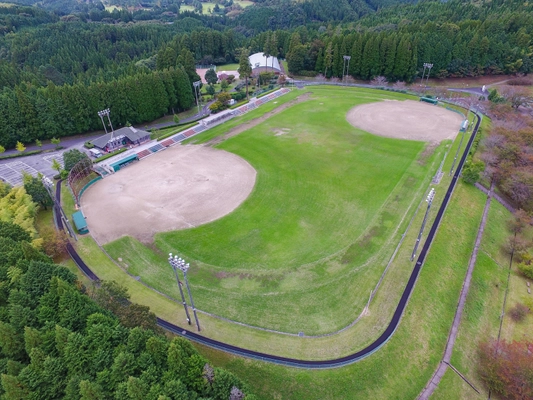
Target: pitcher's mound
<point>181,187</point>
<point>414,120</point>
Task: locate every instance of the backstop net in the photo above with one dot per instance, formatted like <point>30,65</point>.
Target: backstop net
<point>80,176</point>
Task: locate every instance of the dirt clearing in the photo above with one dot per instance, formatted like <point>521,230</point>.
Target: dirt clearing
<point>413,120</point>
<point>181,187</point>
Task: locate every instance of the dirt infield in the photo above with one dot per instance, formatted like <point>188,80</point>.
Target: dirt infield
<point>413,120</point>
<point>181,187</point>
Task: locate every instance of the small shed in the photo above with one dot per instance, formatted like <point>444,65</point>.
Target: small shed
<point>80,223</point>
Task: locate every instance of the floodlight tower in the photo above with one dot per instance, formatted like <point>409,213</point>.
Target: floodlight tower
<point>101,114</point>
<point>345,67</point>
<point>423,73</point>
<point>429,200</point>
<point>196,86</point>
<point>180,264</point>
<point>429,66</point>
<point>175,263</point>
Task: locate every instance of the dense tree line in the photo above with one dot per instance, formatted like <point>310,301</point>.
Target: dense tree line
<point>29,113</point>
<point>56,75</point>
<point>59,340</point>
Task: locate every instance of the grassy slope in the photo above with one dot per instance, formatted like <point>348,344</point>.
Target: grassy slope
<point>483,307</point>
<point>336,193</point>
<point>402,367</point>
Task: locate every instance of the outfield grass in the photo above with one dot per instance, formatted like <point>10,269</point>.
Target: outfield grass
<point>403,366</point>
<point>349,191</point>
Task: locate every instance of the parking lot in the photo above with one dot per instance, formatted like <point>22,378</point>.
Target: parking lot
<point>12,171</point>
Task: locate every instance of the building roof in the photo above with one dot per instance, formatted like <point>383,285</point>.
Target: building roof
<point>79,221</point>
<point>129,131</point>
<point>259,60</point>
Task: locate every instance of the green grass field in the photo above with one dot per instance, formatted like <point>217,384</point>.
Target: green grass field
<point>403,366</point>
<point>302,253</point>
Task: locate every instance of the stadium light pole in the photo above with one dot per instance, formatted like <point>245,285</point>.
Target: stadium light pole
<point>423,73</point>
<point>184,268</point>
<point>429,200</point>
<point>345,67</point>
<point>175,263</point>
<point>101,115</point>
<point>196,86</point>
<point>429,72</point>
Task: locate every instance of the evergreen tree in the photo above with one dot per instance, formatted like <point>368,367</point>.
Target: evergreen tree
<point>245,68</point>
<point>328,60</point>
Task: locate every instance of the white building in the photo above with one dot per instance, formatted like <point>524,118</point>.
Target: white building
<point>260,63</point>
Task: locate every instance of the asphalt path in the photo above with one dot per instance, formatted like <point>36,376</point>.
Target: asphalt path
<point>309,364</point>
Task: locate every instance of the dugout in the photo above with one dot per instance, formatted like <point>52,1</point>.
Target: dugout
<point>80,223</point>
<point>429,100</point>
<point>125,161</point>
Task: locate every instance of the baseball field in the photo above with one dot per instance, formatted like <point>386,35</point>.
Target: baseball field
<point>288,225</point>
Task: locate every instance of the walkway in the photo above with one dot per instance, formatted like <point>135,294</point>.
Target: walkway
<point>445,362</point>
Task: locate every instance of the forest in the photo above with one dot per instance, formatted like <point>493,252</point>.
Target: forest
<point>57,72</point>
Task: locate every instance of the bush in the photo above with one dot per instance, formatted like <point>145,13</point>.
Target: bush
<point>526,270</point>
<point>518,312</point>
<point>471,171</point>
<point>238,96</point>
<point>88,145</point>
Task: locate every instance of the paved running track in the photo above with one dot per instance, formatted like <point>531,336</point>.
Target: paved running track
<point>338,362</point>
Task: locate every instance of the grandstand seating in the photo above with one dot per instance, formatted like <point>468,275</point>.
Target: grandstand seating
<point>156,148</point>
<point>167,143</point>
<point>143,153</point>
<point>178,138</point>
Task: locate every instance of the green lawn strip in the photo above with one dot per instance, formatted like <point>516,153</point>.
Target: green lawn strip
<point>67,201</point>
<point>226,126</point>
<point>403,366</point>
<point>453,387</point>
<point>481,318</point>
<point>44,218</point>
<point>229,67</point>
